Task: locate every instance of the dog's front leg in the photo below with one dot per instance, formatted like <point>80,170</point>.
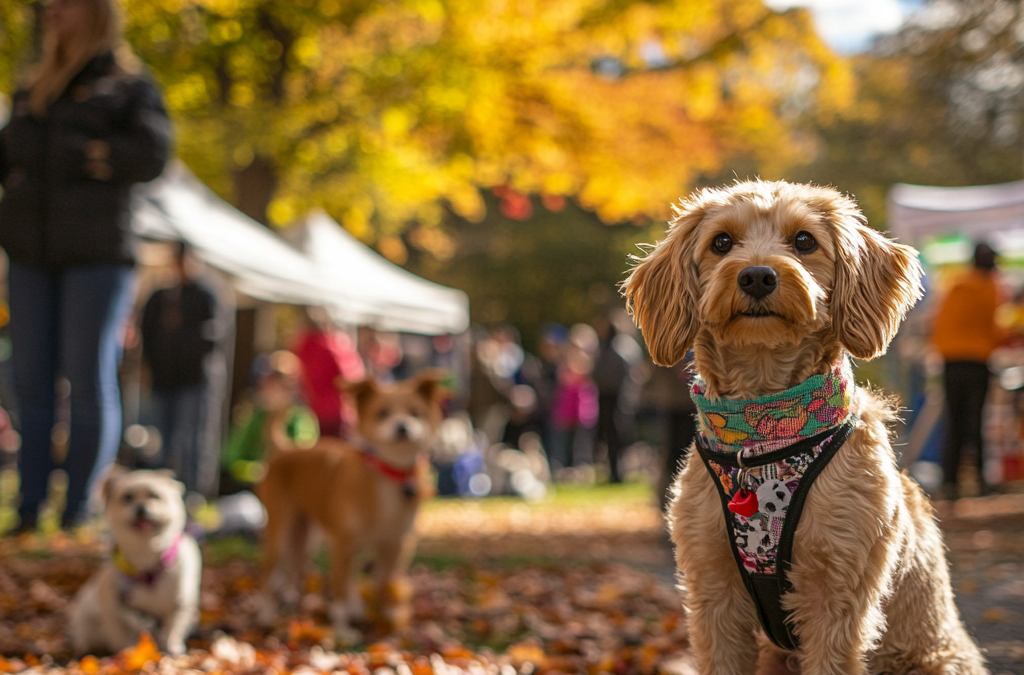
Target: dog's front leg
<point>722,623</point>
<point>721,615</point>
<point>342,550</point>
<point>175,628</point>
<point>116,634</point>
<point>390,585</point>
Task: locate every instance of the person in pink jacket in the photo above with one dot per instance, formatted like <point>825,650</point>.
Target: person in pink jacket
<point>575,405</point>
<point>329,359</point>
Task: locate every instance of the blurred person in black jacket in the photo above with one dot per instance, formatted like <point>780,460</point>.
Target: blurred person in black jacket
<point>181,327</point>
<point>84,128</point>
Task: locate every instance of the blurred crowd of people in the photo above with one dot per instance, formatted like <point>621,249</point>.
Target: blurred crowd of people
<point>588,394</point>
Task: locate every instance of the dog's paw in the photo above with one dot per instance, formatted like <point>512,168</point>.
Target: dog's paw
<point>176,647</point>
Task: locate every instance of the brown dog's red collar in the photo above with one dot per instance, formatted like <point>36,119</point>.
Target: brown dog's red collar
<point>388,471</point>
<point>404,477</point>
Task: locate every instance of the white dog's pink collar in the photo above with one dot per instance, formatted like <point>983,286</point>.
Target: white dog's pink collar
<point>132,575</point>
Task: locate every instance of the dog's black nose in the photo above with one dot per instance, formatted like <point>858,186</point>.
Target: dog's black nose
<point>402,431</point>
<point>140,512</point>
<point>758,281</point>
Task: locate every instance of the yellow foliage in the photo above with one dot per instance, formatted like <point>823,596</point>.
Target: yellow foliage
<point>382,112</point>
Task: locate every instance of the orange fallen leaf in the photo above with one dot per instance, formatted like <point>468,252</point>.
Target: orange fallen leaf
<point>526,652</point>
<point>994,614</point>
<point>89,665</point>
<point>305,630</point>
<point>146,651</point>
<point>456,652</point>
<point>421,666</point>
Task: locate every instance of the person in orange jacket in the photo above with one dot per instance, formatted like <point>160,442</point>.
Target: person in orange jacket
<point>965,333</point>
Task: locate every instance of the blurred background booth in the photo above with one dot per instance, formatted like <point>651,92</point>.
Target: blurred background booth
<point>264,281</point>
<point>945,223</point>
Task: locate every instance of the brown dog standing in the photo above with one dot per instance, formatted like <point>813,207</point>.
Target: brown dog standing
<point>363,494</point>
<point>775,285</point>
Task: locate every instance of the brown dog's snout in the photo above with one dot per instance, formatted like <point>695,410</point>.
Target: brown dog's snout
<point>758,281</point>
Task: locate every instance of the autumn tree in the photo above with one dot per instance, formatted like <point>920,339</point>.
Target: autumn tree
<point>19,26</point>
<point>388,113</point>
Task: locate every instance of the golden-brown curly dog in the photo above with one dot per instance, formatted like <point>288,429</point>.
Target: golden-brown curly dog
<point>773,284</point>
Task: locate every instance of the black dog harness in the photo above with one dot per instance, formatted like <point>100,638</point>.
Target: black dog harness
<point>764,454</point>
<point>762,542</point>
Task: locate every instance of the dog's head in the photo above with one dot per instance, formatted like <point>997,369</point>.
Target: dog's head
<point>768,264</point>
<point>144,506</point>
<point>399,419</point>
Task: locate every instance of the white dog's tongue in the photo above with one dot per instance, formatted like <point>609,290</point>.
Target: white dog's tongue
<point>143,524</point>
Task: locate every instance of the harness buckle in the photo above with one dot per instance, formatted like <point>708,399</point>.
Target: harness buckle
<point>744,479</point>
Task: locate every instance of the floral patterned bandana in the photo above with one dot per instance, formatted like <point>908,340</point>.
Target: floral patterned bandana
<point>775,421</point>
<point>764,455</point>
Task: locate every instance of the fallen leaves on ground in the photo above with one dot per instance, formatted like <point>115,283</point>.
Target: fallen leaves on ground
<point>582,616</point>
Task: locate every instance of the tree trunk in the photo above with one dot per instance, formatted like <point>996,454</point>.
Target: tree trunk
<point>254,188</point>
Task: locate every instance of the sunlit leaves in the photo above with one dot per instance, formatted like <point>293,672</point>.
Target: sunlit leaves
<point>387,113</point>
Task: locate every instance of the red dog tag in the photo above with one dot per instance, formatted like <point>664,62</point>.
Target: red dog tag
<point>744,503</point>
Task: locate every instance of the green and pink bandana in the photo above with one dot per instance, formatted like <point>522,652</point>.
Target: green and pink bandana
<point>775,421</point>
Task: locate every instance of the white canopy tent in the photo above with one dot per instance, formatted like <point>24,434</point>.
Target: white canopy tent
<point>178,206</point>
<point>991,212</point>
<point>324,266</point>
<point>367,289</point>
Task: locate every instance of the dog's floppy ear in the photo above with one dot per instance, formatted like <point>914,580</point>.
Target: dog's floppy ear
<point>877,282</point>
<point>361,390</point>
<point>662,289</point>
<point>113,473</point>
<point>429,384</point>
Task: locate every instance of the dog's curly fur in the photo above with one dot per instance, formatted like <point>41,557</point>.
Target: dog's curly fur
<point>871,589</point>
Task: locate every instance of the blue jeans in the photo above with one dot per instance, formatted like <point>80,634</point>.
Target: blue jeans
<point>179,415</point>
<point>67,323</point>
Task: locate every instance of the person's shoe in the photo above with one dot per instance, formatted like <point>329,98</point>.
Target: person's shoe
<point>27,523</point>
<point>71,520</point>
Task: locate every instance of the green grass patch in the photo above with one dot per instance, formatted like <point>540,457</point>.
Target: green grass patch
<point>560,498</point>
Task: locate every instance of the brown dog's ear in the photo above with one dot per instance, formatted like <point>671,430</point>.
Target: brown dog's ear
<point>662,289</point>
<point>877,282</point>
<point>361,390</point>
<point>429,384</point>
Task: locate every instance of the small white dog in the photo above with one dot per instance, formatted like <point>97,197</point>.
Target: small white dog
<point>151,581</point>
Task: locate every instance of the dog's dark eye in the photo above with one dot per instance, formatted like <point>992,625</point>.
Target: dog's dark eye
<point>127,497</point>
<point>383,414</point>
<point>804,242</point>
<point>722,243</point>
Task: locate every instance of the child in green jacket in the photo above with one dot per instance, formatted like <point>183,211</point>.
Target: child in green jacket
<point>276,398</point>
